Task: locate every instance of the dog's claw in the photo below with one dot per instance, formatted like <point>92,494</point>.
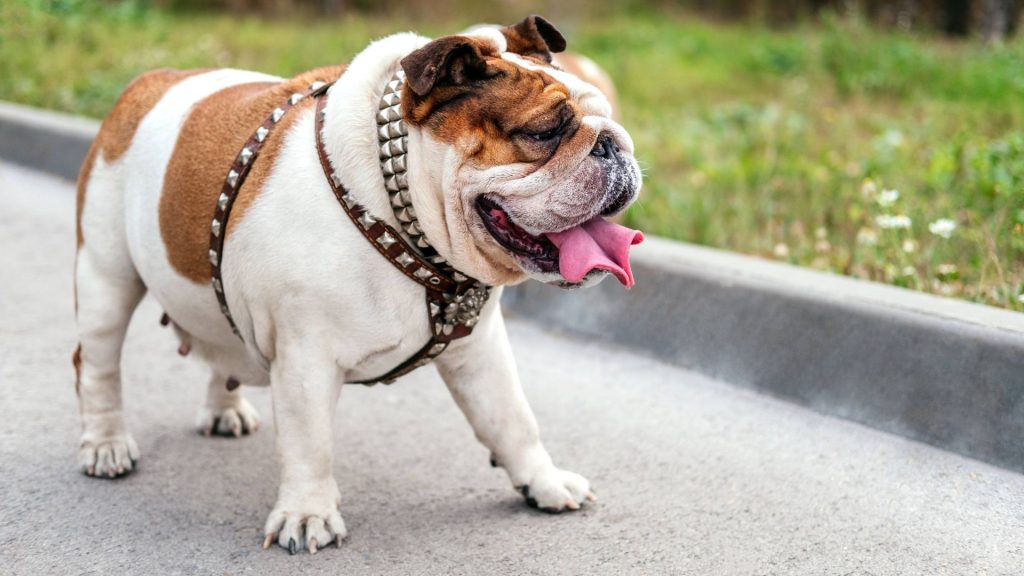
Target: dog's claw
<point>293,547</point>
<point>312,546</point>
<point>269,540</point>
<point>591,496</point>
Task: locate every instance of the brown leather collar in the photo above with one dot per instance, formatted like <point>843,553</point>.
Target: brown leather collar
<point>454,300</point>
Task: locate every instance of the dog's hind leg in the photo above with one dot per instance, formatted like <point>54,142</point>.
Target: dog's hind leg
<point>106,296</point>
<point>226,412</point>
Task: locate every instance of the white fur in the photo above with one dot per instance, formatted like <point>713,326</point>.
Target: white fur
<point>316,303</point>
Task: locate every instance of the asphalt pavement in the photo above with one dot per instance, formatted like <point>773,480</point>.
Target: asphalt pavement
<point>694,476</point>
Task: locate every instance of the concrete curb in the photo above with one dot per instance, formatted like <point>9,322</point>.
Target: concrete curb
<point>44,140</point>
<point>945,372</point>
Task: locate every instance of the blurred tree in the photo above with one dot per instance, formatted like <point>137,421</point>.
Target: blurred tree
<point>956,17</point>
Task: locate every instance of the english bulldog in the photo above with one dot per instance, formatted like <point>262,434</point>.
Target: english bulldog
<point>261,214</point>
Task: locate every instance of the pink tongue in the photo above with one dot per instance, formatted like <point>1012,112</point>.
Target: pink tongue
<point>596,243</point>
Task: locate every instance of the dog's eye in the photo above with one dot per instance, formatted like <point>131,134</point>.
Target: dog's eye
<point>547,135</point>
<point>544,136</point>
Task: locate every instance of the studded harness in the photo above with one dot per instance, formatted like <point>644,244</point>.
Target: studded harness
<point>454,300</point>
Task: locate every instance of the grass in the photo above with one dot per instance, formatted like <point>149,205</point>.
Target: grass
<point>783,144</point>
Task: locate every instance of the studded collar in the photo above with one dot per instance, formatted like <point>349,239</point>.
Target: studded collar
<point>454,300</point>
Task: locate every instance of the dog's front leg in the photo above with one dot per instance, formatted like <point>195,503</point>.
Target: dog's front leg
<point>305,388</point>
<point>481,375</point>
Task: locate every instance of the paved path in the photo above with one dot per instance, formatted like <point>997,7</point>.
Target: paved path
<point>695,476</point>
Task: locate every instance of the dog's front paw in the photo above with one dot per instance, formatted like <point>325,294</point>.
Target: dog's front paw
<point>108,457</point>
<point>306,520</point>
<point>237,419</point>
<point>554,490</point>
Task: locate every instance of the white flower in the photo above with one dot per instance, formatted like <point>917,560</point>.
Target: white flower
<point>898,222</point>
<point>867,237</point>
<point>868,189</point>
<point>943,227</point>
<point>946,270</point>
<point>1020,298</point>
<point>888,197</point>
<point>909,271</point>
<point>781,250</point>
<point>909,246</point>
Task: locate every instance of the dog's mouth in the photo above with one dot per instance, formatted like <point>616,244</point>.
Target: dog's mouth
<point>589,248</point>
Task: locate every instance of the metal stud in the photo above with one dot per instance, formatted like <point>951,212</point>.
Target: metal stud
<point>399,163</point>
<point>459,277</point>
<point>437,348</point>
<point>396,200</point>
<point>367,220</point>
<point>422,243</point>
<point>232,178</point>
<point>422,273</point>
<point>407,214</point>
<point>391,184</point>
<point>216,285</point>
<point>224,310</point>
<point>413,229</point>
<point>435,309</point>
<point>394,85</point>
<point>348,199</point>
<point>447,329</point>
<point>386,240</point>
<point>404,259</point>
<point>388,167</point>
<point>382,133</point>
<point>336,180</point>
<point>276,115</point>
<point>215,227</point>
<point>294,99</point>
<point>316,85</point>
<point>213,257</point>
<point>245,156</point>
<point>404,193</point>
<point>438,327</point>
<point>382,116</point>
<point>222,201</point>
<point>261,134</point>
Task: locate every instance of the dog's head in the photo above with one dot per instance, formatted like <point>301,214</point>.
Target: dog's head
<point>522,160</point>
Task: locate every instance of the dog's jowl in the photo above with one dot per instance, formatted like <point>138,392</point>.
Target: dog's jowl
<point>349,224</point>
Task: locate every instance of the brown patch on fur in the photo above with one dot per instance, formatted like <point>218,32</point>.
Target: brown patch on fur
<point>209,141</point>
<point>76,360</point>
<point>118,129</point>
<point>575,65</point>
<point>493,119</point>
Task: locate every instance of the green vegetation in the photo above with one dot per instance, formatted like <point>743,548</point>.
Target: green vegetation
<point>784,144</point>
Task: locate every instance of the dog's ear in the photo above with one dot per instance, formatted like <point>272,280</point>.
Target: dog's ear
<point>534,36</point>
<point>452,60</point>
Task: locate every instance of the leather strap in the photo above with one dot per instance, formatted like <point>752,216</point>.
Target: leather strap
<point>233,183</point>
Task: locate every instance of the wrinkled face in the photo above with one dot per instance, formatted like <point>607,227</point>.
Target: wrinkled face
<point>517,150</point>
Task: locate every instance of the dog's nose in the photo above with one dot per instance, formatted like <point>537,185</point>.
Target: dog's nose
<point>605,148</point>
